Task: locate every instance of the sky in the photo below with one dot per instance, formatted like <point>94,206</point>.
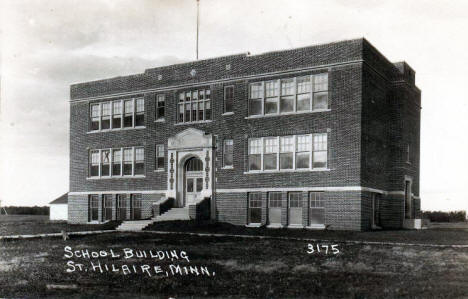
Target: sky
<point>45,46</point>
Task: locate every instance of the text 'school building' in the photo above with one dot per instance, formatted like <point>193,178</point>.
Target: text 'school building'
<point>321,136</point>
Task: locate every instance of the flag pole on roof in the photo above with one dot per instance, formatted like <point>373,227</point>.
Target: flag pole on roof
<point>198,22</point>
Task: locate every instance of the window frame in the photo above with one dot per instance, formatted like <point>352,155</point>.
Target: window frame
<point>294,152</point>
<point>257,199</point>
<point>313,94</point>
<point>158,107</point>
<point>157,166</point>
<point>113,161</point>
<point>225,141</point>
<point>225,111</point>
<point>113,115</point>
<point>187,100</point>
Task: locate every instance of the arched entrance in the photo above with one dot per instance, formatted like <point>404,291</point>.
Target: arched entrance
<point>193,180</point>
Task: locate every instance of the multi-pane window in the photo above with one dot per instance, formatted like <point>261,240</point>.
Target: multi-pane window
<point>94,124</point>
<point>270,154</point>
<point>128,161</point>
<point>299,94</point>
<point>107,207</point>
<point>228,153</point>
<point>286,152</point>
<point>194,106</point>
<point>117,162</point>
<point>255,207</point>
<point>140,112</point>
<point>105,116</point>
<point>121,207</point>
<point>296,152</point>
<point>139,161</point>
<point>117,114</point>
<point>271,97</point>
<point>275,200</point>
<point>94,163</point>
<point>105,163</point>
<point>295,199</point>
<point>160,106</point>
<point>255,154</point>
<point>228,98</point>
<point>317,208</point>
<point>319,155</point>
<point>159,157</point>
<point>93,214</point>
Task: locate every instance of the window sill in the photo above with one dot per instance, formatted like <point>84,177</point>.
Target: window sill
<point>275,226</point>
<point>295,226</point>
<point>116,130</point>
<point>160,120</point>
<point>227,113</point>
<point>286,113</point>
<point>193,123</point>
<point>316,226</point>
<point>286,170</point>
<point>227,167</point>
<point>159,170</point>
<point>253,225</point>
<point>117,177</point>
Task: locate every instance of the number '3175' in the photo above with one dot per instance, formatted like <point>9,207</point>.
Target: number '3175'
<point>324,249</point>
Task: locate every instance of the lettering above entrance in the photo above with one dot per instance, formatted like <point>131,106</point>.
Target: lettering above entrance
<point>190,138</point>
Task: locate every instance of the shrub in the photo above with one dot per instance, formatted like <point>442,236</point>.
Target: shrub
<point>439,216</point>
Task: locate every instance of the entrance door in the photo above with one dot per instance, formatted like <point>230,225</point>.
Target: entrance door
<point>193,180</point>
<point>295,208</point>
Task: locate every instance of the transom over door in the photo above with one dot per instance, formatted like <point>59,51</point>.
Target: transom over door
<point>193,180</point>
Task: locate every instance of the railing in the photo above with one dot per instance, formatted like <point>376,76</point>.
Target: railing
<point>162,205</point>
<point>200,210</point>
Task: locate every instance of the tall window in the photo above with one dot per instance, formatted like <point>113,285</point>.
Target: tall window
<point>255,154</point>
<point>159,157</point>
<point>228,153</point>
<point>140,112</point>
<point>128,161</point>
<point>160,106</point>
<point>228,98</point>
<point>93,204</point>
<point>116,162</point>
<point>107,207</point>
<point>105,163</point>
<point>317,208</point>
<point>319,156</point>
<point>94,163</point>
<point>139,161</point>
<point>194,106</point>
<point>408,154</point>
<point>255,208</point>
<point>105,116</point>
<point>128,113</point>
<point>121,207</point>
<point>275,204</point>
<point>293,152</point>
<point>300,94</point>
<point>94,125</point>
<point>117,114</point>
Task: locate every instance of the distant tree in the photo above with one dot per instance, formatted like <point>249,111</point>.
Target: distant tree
<point>36,210</point>
<point>439,216</point>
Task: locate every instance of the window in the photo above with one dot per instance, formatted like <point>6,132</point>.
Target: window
<point>255,154</point>
<point>194,106</point>
<point>228,153</point>
<point>121,207</point>
<point>105,116</point>
<point>317,208</point>
<point>159,157</point>
<point>256,99</point>
<point>93,204</point>
<point>270,154</point>
<point>105,163</point>
<point>94,124</point>
<point>295,208</point>
<point>295,152</point>
<point>94,163</point>
<point>271,97</point>
<point>128,113</point>
<point>408,154</point>
<point>107,207</point>
<point>139,161</point>
<point>136,204</point>
<point>300,94</point>
<point>140,112</point>
<point>116,162</point>
<point>228,98</point>
<point>319,155</point>
<point>303,152</point>
<point>287,151</point>
<point>128,161</point>
<point>255,208</point>
<point>274,208</point>
<point>117,114</point>
<point>160,107</point>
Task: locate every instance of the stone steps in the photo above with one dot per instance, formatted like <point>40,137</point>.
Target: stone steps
<point>170,215</point>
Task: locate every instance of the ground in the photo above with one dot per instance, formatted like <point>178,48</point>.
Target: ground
<point>237,267</point>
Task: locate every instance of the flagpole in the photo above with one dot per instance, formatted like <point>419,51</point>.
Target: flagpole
<point>198,22</point>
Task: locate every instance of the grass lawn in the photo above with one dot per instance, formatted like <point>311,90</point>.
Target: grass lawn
<point>242,268</point>
<point>443,235</point>
<point>35,224</point>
